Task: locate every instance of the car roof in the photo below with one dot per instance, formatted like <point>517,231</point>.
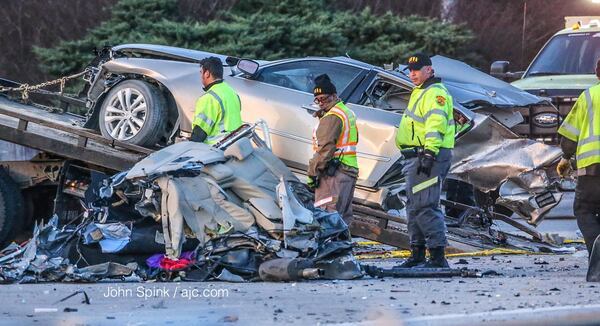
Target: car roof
<point>582,29</point>
<point>355,62</point>
<point>339,59</point>
<point>344,60</point>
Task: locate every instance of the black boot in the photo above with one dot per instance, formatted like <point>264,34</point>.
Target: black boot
<point>437,259</point>
<point>417,256</point>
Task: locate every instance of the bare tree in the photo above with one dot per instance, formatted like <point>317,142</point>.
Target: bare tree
<point>448,10</point>
<point>500,29</point>
<point>26,23</point>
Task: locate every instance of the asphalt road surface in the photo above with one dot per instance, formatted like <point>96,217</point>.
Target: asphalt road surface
<point>533,290</point>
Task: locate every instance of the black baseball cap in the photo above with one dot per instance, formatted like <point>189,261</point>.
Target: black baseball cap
<point>417,61</point>
<point>323,85</point>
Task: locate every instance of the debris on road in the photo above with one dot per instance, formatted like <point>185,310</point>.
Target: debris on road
<point>233,212</point>
<point>398,272</point>
<point>192,212</point>
<point>86,299</point>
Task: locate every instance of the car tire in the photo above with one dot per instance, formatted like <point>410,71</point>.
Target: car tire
<point>134,112</point>
<point>11,208</point>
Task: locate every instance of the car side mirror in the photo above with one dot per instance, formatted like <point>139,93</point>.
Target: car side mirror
<point>248,67</point>
<point>499,69</point>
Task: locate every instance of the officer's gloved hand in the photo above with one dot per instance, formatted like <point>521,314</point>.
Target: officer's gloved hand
<point>312,182</point>
<point>563,168</point>
<point>426,163</point>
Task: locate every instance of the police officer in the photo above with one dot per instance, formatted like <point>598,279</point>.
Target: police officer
<point>333,169</point>
<point>218,111</point>
<point>426,138</point>
<point>580,133</point>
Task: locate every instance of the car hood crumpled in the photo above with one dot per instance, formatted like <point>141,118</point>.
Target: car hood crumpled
<point>489,154</point>
<point>471,87</point>
<point>491,157</point>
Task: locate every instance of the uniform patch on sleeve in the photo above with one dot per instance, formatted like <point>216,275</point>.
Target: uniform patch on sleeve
<point>440,100</point>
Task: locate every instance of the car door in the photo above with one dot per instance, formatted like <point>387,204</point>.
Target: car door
<point>377,125</point>
<point>281,94</point>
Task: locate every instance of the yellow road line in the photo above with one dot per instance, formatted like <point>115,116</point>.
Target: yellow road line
<point>490,252</point>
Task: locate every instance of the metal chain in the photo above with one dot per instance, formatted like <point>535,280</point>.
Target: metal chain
<point>26,88</point>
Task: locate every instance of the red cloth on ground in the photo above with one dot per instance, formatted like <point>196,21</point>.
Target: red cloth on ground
<point>169,264</point>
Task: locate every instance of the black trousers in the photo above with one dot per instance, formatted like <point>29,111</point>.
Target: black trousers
<point>587,208</point>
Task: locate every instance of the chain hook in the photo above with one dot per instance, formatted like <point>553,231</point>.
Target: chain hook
<point>25,92</point>
<point>62,85</point>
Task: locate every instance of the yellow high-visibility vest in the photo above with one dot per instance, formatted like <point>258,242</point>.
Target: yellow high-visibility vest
<point>345,148</point>
<point>428,120</point>
<point>582,125</point>
<point>218,112</point>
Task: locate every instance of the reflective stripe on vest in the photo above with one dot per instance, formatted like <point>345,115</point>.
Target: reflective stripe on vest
<point>350,149</point>
<point>568,127</point>
<point>411,111</point>
<point>436,85</point>
<point>204,118</point>
<point>590,110</point>
<point>344,140</point>
<point>222,122</point>
<point>428,120</point>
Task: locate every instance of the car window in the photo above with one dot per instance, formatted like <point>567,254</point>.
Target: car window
<point>300,75</point>
<point>386,95</point>
<point>568,54</point>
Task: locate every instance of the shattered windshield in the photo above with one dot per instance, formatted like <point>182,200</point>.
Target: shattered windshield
<point>568,54</point>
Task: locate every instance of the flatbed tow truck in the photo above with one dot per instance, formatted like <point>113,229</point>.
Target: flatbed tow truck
<point>69,153</point>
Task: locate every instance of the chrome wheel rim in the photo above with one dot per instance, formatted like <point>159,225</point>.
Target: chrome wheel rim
<point>125,114</point>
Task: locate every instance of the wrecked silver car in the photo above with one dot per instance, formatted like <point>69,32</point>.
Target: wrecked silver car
<point>161,84</point>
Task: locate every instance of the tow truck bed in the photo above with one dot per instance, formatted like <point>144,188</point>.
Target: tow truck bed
<point>62,134</point>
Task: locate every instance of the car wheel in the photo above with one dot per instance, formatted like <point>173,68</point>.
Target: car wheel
<point>134,112</point>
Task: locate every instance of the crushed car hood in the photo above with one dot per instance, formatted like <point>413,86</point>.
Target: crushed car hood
<point>490,157</point>
<point>489,154</point>
<point>470,87</point>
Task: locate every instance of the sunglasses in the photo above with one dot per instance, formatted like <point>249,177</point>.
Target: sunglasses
<point>324,99</point>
